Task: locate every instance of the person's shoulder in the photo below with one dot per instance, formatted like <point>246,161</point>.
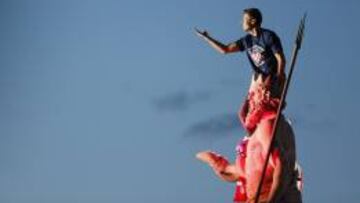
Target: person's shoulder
<point>245,37</point>
<point>268,32</point>
<point>245,40</point>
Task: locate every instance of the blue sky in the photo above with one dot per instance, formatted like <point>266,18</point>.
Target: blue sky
<point>108,101</point>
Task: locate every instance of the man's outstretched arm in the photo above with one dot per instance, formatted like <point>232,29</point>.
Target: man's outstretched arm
<point>220,47</point>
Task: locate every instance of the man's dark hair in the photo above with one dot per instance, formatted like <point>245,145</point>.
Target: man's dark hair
<point>254,13</point>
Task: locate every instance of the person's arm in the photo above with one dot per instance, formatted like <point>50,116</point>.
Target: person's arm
<point>222,168</point>
<point>265,131</point>
<point>281,62</point>
<point>229,174</point>
<point>275,189</point>
<point>277,174</point>
<point>276,47</point>
<point>264,135</point>
<point>220,47</point>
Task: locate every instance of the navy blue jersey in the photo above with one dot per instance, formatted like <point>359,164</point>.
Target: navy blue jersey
<point>260,51</point>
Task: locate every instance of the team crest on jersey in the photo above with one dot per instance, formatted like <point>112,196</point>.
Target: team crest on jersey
<point>256,53</point>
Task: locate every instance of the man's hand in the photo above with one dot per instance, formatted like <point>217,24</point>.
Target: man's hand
<point>218,46</point>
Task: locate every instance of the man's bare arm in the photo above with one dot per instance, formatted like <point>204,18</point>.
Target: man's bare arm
<point>217,45</point>
<point>281,61</point>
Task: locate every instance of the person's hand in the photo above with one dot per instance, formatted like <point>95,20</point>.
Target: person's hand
<point>206,156</point>
<point>220,163</point>
<point>216,161</point>
<point>203,34</point>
